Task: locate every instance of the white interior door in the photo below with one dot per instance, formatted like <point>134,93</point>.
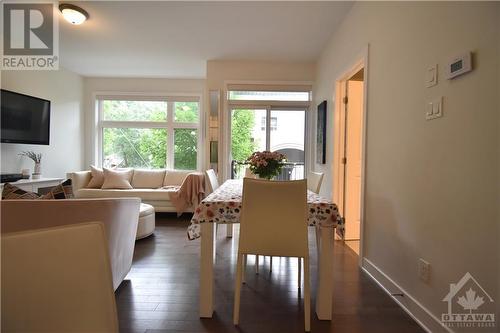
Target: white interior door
<point>353,149</point>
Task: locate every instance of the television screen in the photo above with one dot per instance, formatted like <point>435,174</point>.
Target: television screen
<point>24,119</point>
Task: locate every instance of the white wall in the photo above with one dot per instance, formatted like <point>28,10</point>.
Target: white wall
<point>65,153</point>
<point>432,187</point>
<point>94,85</point>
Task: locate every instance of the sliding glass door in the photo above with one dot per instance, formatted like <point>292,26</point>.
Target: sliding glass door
<point>258,129</point>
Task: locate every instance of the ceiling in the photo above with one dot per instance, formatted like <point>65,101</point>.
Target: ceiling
<point>175,39</point>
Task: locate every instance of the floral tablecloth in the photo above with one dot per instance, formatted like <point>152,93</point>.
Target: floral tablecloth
<point>224,206</point>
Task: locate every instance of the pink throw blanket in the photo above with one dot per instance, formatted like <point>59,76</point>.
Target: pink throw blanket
<point>190,193</point>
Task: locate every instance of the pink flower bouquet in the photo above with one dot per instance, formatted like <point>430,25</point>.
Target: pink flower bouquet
<point>266,164</point>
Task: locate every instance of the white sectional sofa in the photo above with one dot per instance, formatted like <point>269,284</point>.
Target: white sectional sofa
<point>147,185</point>
<point>119,217</point>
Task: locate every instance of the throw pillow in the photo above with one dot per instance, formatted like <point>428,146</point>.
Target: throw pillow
<point>148,178</point>
<point>11,192</point>
<point>117,179</point>
<point>61,191</point>
<point>97,178</point>
<point>175,177</point>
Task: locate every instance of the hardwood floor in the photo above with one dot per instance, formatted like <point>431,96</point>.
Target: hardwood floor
<point>160,294</point>
<point>353,245</point>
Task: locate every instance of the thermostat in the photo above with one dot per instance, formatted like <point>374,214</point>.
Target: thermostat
<point>459,65</point>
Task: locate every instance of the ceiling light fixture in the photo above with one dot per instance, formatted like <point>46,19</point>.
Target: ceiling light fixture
<point>73,14</point>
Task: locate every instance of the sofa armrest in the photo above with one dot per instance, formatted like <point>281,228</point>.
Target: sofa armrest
<point>119,216</point>
<point>80,180</point>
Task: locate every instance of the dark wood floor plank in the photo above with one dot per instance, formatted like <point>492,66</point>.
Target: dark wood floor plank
<point>160,294</point>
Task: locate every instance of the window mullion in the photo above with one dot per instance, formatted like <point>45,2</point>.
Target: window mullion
<point>100,134</point>
<point>170,135</point>
<point>268,128</point>
<point>185,125</point>
<point>133,124</point>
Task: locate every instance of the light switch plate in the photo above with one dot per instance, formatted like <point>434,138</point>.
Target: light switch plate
<point>434,109</point>
<point>431,76</point>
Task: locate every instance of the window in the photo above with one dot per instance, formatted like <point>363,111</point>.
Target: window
<point>238,95</point>
<point>149,133</point>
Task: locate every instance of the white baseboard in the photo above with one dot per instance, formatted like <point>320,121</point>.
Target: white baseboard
<point>409,304</point>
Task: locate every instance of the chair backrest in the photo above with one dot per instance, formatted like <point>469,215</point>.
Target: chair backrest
<point>249,173</point>
<point>314,180</point>
<point>58,280</point>
<point>213,183</point>
<point>273,218</point>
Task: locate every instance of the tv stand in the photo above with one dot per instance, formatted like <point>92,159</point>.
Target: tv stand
<point>33,185</point>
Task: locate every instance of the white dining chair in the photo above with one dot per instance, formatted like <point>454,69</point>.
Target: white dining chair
<point>314,181</point>
<point>213,184</point>
<point>250,174</point>
<point>279,208</point>
<point>58,280</point>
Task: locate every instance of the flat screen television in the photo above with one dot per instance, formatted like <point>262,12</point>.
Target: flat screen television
<point>24,119</point>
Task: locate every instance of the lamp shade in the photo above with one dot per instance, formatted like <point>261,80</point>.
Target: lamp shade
<point>73,14</point>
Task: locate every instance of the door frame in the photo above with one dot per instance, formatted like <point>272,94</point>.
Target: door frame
<point>359,62</point>
<point>225,116</point>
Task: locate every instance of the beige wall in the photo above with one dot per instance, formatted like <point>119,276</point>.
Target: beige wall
<point>219,71</point>
<point>65,153</point>
<point>94,85</point>
<point>498,168</point>
<point>432,187</point>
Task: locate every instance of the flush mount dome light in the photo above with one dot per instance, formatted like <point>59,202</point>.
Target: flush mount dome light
<point>73,14</point>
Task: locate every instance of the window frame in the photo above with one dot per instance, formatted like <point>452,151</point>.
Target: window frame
<point>169,124</point>
<point>269,105</point>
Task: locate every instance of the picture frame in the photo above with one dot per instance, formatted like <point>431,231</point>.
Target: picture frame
<point>321,134</point>
<point>214,152</point>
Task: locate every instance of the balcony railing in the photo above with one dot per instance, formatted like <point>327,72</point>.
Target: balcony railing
<point>290,171</point>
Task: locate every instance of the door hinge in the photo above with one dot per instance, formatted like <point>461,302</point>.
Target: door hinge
<point>345,100</point>
<point>344,160</point>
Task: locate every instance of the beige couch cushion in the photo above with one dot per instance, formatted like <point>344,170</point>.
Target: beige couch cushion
<point>145,210</point>
<point>144,194</point>
<point>117,179</point>
<point>97,178</point>
<point>148,178</point>
<point>175,177</point>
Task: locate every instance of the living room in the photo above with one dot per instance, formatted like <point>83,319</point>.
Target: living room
<point>171,90</point>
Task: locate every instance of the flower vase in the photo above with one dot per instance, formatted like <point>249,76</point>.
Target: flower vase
<point>37,173</point>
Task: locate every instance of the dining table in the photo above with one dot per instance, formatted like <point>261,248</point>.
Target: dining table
<point>223,206</point>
